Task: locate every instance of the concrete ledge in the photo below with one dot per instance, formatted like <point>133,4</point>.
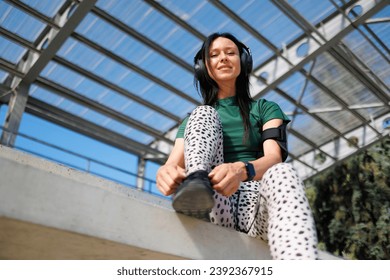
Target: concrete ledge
<point>45,194</point>
<point>41,192</point>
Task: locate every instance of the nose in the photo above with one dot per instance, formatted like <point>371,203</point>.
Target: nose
<point>223,56</point>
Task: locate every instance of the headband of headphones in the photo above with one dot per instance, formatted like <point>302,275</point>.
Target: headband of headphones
<point>246,61</point>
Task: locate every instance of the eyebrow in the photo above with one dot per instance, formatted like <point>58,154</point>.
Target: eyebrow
<point>224,48</point>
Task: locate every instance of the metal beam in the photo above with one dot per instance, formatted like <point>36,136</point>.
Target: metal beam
<point>341,108</point>
<point>320,38</point>
<point>295,159</point>
<point>362,133</point>
<point>369,30</point>
<point>362,72</point>
<point>10,68</point>
<point>108,84</point>
<point>230,13</point>
<point>133,33</point>
<point>19,40</point>
<point>111,55</point>
<point>278,69</point>
<point>24,7</point>
<point>135,68</point>
<point>378,20</point>
<point>175,18</point>
<point>306,110</point>
<point>58,39</point>
<point>308,141</point>
<point>344,105</point>
<point>280,55</point>
<point>99,80</point>
<point>65,119</point>
<point>99,108</point>
<point>5,94</point>
<point>379,88</point>
<point>93,45</point>
<point>14,115</point>
<point>247,26</point>
<point>32,67</point>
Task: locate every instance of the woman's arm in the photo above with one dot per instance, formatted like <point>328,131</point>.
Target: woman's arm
<point>172,173</point>
<point>272,152</point>
<point>226,177</point>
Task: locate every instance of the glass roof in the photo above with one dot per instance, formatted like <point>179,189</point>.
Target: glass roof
<point>126,66</point>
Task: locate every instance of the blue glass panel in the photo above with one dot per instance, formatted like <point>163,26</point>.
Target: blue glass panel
<point>19,22</point>
<point>109,98</point>
<point>11,51</point>
<point>313,11</point>
<point>208,19</point>
<point>3,76</point>
<point>47,7</point>
<point>89,115</point>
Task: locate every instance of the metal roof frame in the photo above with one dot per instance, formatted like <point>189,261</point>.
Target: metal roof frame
<point>323,37</point>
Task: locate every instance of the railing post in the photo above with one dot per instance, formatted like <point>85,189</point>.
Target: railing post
<point>141,173</point>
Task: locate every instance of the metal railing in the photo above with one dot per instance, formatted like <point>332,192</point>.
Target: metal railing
<point>148,183</point>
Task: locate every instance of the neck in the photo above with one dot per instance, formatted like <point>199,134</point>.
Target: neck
<point>226,90</point>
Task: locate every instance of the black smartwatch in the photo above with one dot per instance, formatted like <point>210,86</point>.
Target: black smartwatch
<point>250,171</point>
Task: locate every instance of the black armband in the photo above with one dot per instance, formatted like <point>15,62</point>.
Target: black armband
<point>279,134</point>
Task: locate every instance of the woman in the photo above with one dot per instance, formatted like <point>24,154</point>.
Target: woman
<point>227,161</point>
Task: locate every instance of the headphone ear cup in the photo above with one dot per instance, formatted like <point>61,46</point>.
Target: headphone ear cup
<point>199,68</point>
<point>246,60</point>
<point>198,65</point>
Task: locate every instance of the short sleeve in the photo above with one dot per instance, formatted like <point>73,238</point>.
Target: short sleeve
<point>182,128</point>
<point>270,110</point>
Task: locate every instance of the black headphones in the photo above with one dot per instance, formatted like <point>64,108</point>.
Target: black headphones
<point>246,61</point>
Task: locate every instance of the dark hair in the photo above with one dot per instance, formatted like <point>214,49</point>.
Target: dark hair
<point>208,88</point>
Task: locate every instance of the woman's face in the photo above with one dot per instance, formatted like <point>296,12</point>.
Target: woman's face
<point>224,63</point>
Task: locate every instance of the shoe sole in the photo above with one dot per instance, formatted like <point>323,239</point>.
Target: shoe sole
<point>195,201</point>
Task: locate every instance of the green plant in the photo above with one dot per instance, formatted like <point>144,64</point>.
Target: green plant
<point>351,205</point>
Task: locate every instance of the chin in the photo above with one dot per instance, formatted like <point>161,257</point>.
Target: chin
<point>223,78</point>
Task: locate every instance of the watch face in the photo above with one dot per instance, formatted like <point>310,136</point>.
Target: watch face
<point>250,170</point>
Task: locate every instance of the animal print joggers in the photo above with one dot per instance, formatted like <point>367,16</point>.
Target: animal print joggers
<point>274,209</point>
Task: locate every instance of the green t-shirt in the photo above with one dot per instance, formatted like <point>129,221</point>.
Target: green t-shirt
<point>233,128</point>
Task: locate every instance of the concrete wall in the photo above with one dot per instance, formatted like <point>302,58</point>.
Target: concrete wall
<point>21,240</point>
<point>52,211</point>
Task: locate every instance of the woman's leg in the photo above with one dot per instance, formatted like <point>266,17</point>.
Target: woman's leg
<point>275,208</point>
<point>203,150</point>
<point>203,140</point>
<point>290,229</point>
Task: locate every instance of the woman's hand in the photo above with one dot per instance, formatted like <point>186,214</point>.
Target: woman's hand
<point>226,178</point>
<point>172,173</point>
<point>169,177</point>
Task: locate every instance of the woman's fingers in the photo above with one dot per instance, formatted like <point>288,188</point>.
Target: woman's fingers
<point>169,178</point>
<point>225,179</point>
<point>181,174</point>
<point>166,186</point>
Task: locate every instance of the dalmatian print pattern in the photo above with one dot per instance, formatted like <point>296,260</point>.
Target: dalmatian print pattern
<point>274,209</point>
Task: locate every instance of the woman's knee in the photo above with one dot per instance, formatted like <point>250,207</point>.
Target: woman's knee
<point>282,174</point>
<point>204,110</point>
<point>206,117</point>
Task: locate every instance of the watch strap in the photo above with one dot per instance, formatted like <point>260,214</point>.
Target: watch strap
<point>250,171</point>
